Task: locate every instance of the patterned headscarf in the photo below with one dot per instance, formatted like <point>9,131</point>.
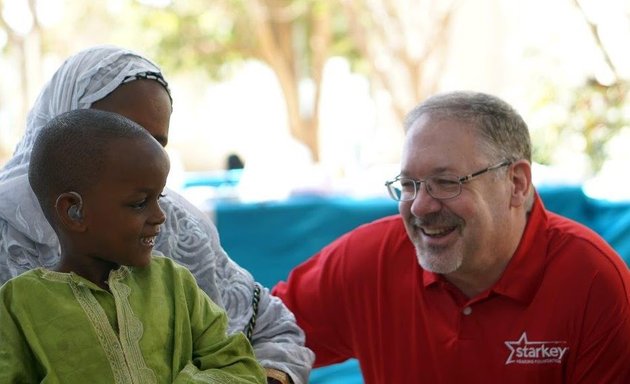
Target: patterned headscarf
<point>81,80</point>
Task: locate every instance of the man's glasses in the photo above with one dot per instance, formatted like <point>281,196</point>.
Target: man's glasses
<point>439,186</point>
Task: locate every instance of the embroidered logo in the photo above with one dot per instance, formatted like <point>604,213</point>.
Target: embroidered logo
<point>524,351</point>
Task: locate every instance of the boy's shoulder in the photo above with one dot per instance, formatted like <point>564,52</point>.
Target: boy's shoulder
<point>158,260</point>
<point>27,277</point>
<point>27,280</point>
<point>162,264</point>
<point>166,272</point>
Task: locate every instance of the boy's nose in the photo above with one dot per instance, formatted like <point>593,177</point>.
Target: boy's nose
<point>159,217</point>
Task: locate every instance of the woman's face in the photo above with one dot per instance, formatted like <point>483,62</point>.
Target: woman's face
<point>144,101</point>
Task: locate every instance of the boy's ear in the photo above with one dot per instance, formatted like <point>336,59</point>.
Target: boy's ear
<point>69,209</point>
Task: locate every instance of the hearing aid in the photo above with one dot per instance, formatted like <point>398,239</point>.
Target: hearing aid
<point>74,211</point>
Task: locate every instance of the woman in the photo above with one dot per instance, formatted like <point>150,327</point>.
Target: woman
<point>118,80</point>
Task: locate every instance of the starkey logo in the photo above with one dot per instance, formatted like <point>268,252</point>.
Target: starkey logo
<point>524,351</point>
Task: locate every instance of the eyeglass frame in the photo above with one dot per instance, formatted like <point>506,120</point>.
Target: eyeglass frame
<point>417,184</point>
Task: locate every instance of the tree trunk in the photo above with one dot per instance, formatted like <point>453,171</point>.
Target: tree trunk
<point>275,28</point>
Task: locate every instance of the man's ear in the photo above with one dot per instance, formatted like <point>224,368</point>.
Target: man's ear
<point>69,209</point>
<point>521,178</point>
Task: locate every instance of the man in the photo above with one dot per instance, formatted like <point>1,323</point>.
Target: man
<point>474,281</point>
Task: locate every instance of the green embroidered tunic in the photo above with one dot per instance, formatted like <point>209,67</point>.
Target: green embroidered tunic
<point>155,326</point>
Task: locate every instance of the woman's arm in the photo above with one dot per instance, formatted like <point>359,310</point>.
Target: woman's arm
<point>191,239</point>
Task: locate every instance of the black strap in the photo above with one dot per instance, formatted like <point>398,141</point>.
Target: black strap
<point>157,76</point>
<point>252,321</point>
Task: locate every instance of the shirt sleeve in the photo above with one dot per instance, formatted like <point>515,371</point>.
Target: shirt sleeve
<point>314,292</point>
<point>217,356</point>
<point>16,358</point>
<point>604,352</point>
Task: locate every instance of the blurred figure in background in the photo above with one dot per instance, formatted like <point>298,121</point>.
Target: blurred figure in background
<point>233,162</point>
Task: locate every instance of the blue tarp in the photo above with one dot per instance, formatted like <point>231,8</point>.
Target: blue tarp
<point>271,238</point>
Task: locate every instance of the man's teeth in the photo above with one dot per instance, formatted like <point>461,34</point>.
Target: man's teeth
<point>149,240</point>
<point>436,231</point>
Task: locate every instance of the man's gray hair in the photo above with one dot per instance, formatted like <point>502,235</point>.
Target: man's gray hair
<point>502,129</point>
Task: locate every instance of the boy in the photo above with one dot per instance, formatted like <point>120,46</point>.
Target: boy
<point>110,311</point>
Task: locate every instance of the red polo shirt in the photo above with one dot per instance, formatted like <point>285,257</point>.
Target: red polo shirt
<point>559,314</point>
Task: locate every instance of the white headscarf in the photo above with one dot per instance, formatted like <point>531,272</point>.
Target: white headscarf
<point>82,79</point>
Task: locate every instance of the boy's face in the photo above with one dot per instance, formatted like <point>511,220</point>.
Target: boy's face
<point>122,214</point>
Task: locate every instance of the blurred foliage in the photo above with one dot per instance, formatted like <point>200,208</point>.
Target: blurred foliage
<point>588,116</point>
<point>598,113</point>
<point>216,35</point>
<point>293,37</point>
<point>399,46</point>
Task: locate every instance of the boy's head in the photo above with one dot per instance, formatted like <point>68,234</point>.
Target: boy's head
<point>98,176</point>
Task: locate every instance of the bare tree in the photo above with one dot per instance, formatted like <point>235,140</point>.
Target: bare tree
<point>275,25</point>
<point>400,45</point>
<point>403,44</point>
<point>291,36</point>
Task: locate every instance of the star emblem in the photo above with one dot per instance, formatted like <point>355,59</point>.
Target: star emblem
<point>523,351</point>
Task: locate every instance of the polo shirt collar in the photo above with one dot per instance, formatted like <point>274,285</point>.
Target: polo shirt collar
<point>524,272</point>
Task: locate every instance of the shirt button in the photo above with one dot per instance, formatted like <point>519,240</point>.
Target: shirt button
<point>467,311</point>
